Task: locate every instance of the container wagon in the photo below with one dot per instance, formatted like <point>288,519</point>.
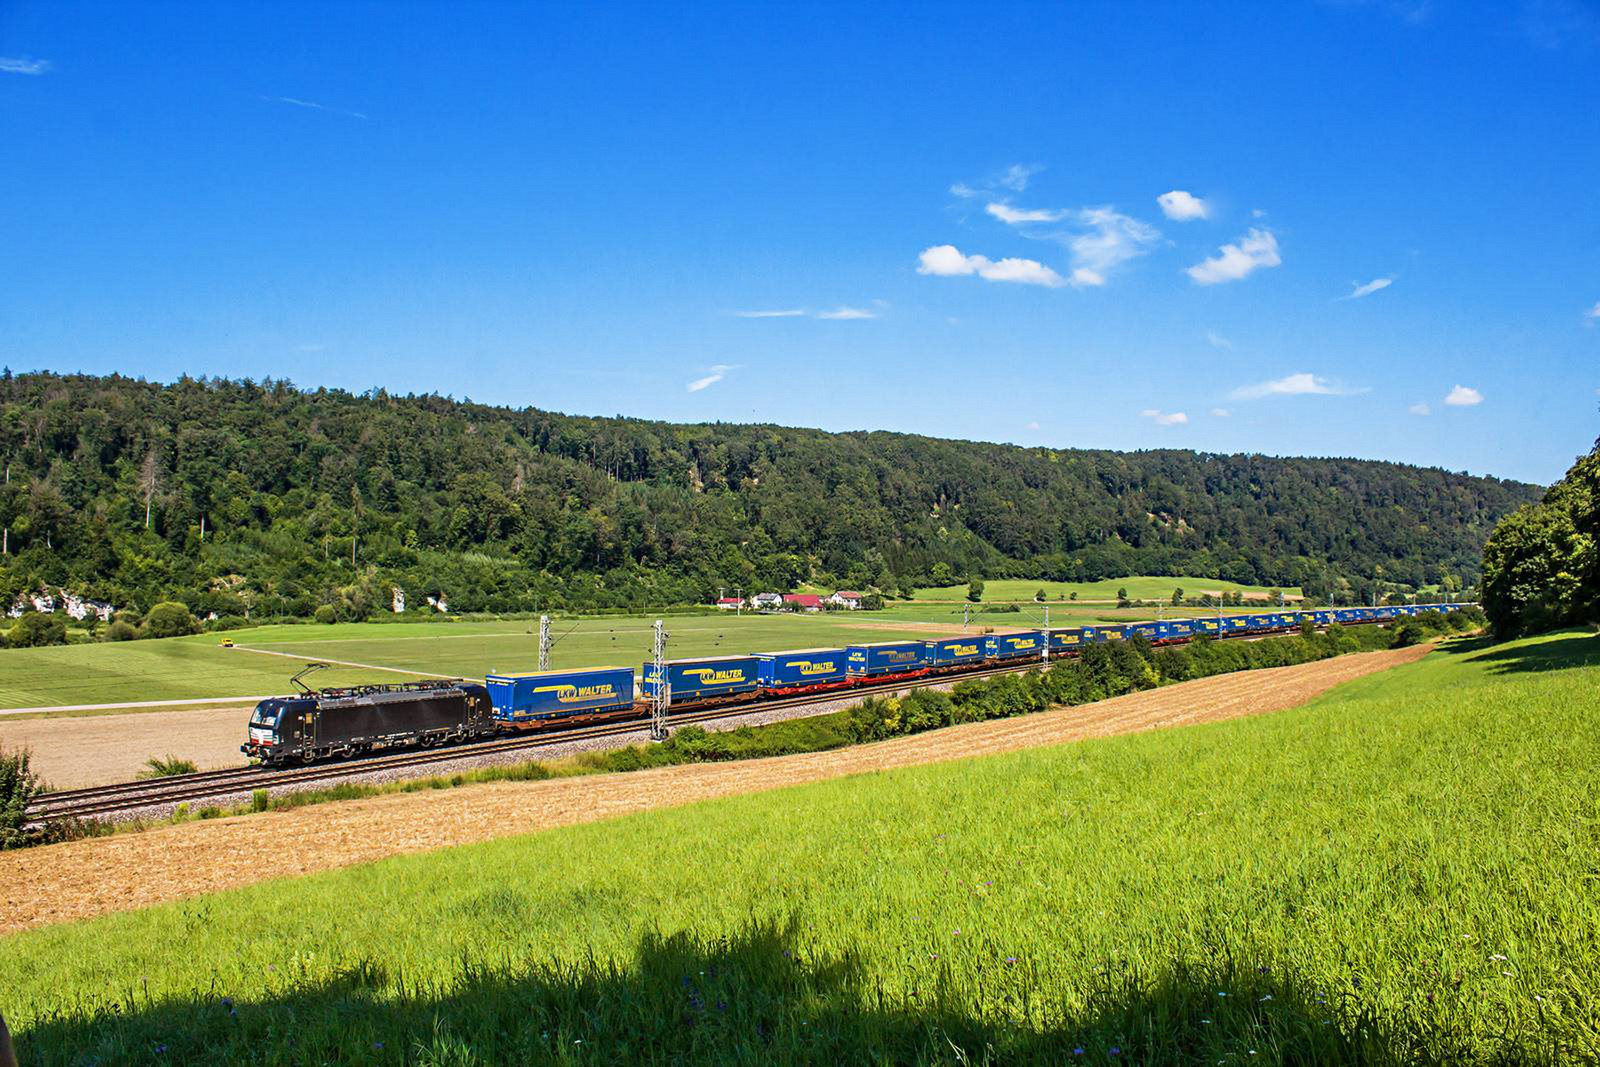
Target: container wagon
<point>541,698</point>
<point>711,678</point>
<point>1028,644</point>
<point>806,670</point>
<point>951,653</point>
<point>884,659</point>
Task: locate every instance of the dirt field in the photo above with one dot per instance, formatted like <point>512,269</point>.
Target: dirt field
<point>94,749</point>
<point>84,878</point>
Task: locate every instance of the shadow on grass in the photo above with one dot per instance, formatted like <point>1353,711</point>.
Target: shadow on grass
<point>1565,650</point>
<point>758,998</point>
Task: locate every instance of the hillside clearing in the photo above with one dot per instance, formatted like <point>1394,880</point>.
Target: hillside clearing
<point>84,878</point>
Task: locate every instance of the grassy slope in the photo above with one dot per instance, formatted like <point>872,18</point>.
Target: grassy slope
<point>197,666</point>
<point>1401,871</point>
<point>1001,590</point>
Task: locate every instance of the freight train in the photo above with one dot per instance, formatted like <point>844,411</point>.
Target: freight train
<point>325,723</point>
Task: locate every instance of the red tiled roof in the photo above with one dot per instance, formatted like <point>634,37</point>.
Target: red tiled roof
<point>805,600</point>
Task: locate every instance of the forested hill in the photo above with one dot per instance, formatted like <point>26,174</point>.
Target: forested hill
<point>499,508</point>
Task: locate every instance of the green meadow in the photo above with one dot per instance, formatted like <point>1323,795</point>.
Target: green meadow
<point>1401,871</point>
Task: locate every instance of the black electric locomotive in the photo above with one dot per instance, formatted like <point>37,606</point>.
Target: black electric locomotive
<point>323,723</point>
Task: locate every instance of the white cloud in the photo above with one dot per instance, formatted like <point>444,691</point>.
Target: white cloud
<point>1257,213</point>
<point>847,313</point>
<point>1593,314</point>
<point>1301,384</point>
<point>1221,413</point>
<point>776,313</point>
<point>1165,418</point>
<point>1256,249</point>
<point>1112,239</point>
<point>1368,289</point>
<point>1463,397</point>
<point>718,372</point>
<point>1033,426</point>
<point>313,105</point>
<point>1420,409</point>
<point>1183,207</point>
<point>1217,340</point>
<point>947,261</point>
<point>24,65</point>
<point>1015,216</point>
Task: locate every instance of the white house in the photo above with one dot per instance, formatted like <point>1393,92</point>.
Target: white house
<point>730,603</point>
<point>846,599</point>
<point>767,601</point>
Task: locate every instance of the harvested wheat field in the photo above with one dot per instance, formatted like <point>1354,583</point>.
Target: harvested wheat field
<point>79,879</point>
<point>95,749</point>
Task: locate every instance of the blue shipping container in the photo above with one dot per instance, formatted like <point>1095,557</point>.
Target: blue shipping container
<point>947,651</point>
<point>885,657</point>
<point>1014,646</point>
<point>1069,640</point>
<point>698,679</point>
<point>559,694</point>
<point>1181,629</point>
<point>807,666</point>
<point>1105,633</point>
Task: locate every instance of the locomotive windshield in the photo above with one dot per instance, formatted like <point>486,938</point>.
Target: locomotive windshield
<point>266,715</point>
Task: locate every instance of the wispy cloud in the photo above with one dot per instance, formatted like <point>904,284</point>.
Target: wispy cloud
<point>1463,397</point>
<point>1359,290</point>
<point>1420,409</point>
<point>717,373</point>
<point>1301,384</point>
<point>1593,314</point>
<point>948,261</point>
<point>1164,418</point>
<point>1555,24</point>
<point>1015,216</point>
<point>1111,239</point>
<point>1013,179</point>
<point>1221,413</point>
<point>1183,207</point>
<point>1253,251</point>
<point>843,312</point>
<point>313,105</point>
<point>24,65</point>
<point>1033,425</point>
<point>1216,340</point>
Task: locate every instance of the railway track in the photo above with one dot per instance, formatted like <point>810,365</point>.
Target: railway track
<point>102,800</point>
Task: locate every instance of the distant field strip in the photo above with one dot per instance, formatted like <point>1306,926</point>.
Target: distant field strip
<point>331,662</point>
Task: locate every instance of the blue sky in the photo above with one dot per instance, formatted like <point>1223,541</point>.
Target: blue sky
<point>1350,228</point>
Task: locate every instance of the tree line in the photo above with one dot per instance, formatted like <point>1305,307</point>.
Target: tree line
<point>1541,566</point>
<point>262,498</point>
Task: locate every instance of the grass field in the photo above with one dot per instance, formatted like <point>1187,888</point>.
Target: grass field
<point>1001,590</point>
<point>1400,872</point>
<point>190,667</point>
<point>1062,613</point>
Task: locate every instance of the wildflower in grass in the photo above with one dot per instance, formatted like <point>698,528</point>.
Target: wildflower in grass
<point>1264,999</point>
<point>1078,1051</point>
<point>1498,958</point>
<point>1011,959</point>
<point>1114,1050</point>
<point>1507,974</point>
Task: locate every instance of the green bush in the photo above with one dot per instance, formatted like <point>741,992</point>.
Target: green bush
<point>327,614</point>
<point>170,618</point>
<point>167,766</point>
<point>18,786</point>
<point>35,630</point>
<point>121,631</point>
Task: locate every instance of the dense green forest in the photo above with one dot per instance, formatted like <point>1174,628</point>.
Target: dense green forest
<point>1541,567</point>
<point>236,495</point>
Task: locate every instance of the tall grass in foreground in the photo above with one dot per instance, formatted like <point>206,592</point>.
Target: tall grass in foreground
<point>1401,872</point>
